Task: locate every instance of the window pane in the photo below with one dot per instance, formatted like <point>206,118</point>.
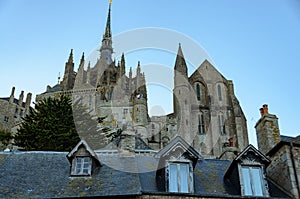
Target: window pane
<point>173,184</point>
<point>256,177</point>
<point>246,181</point>
<point>184,176</point>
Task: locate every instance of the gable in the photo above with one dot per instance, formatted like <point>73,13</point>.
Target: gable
<point>177,149</point>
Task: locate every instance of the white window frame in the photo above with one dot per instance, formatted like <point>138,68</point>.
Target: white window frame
<point>253,181</point>
<point>82,166</point>
<point>189,175</point>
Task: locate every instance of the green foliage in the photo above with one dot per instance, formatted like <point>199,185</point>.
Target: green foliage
<point>49,127</point>
<point>5,138</point>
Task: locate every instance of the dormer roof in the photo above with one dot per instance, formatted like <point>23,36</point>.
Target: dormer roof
<point>83,143</point>
<point>176,149</point>
<point>250,155</point>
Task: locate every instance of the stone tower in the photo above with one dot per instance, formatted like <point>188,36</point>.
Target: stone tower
<point>267,130</point>
<point>181,97</point>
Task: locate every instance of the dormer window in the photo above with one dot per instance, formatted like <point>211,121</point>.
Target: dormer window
<point>177,161</point>
<point>251,178</point>
<point>83,160</point>
<point>251,175</point>
<point>82,166</point>
<point>180,177</point>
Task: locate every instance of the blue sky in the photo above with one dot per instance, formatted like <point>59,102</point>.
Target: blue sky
<point>254,43</point>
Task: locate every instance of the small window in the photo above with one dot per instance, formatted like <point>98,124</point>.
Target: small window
<point>179,180</point>
<point>198,92</point>
<point>201,126</point>
<point>252,181</point>
<point>221,124</point>
<point>219,92</point>
<point>82,166</point>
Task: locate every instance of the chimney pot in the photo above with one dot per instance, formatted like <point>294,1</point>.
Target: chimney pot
<point>261,111</point>
<point>265,108</point>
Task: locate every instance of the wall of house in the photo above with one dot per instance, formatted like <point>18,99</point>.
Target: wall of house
<point>281,169</point>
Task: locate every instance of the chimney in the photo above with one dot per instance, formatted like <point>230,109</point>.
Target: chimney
<point>11,98</point>
<point>265,108</point>
<point>28,100</point>
<point>267,130</point>
<point>21,98</point>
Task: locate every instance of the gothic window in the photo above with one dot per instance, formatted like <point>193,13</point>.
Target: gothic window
<point>82,166</point>
<point>180,177</point>
<point>252,181</point>
<point>198,92</point>
<point>219,92</point>
<point>201,126</point>
<point>221,124</point>
<point>90,102</point>
<point>153,126</point>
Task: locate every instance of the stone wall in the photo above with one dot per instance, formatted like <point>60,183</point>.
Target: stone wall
<point>281,169</point>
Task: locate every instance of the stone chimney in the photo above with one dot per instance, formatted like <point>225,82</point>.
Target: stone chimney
<point>21,98</point>
<point>127,142</point>
<point>28,100</point>
<point>267,130</point>
<point>12,97</point>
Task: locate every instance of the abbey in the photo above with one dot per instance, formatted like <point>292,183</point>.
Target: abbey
<point>206,114</point>
<point>200,150</point>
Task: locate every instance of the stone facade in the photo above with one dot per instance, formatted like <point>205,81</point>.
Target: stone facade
<point>284,152</point>
<point>12,110</point>
<point>206,112</point>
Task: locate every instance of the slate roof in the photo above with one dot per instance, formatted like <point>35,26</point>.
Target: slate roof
<point>47,175</point>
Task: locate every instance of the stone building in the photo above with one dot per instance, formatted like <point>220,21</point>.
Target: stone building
<point>206,113</point>
<point>199,151</point>
<point>204,103</point>
<point>105,90</point>
<point>13,109</point>
<point>284,152</point>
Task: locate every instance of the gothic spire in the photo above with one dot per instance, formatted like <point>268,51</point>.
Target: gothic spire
<point>82,60</point>
<point>107,33</point>
<point>180,64</point>
<point>70,60</point>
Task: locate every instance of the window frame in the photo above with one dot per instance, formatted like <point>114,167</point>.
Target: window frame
<point>253,180</point>
<point>201,124</point>
<point>82,167</point>
<point>189,175</point>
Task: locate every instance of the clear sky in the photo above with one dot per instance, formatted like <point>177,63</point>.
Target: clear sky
<point>254,43</point>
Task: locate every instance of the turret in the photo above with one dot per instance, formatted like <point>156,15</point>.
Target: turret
<point>267,130</point>
<point>69,77</point>
<point>80,74</point>
<point>181,95</point>
<point>122,70</point>
<point>88,73</point>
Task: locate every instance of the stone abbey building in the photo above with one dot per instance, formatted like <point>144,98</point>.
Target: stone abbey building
<point>206,114</point>
<point>200,150</point>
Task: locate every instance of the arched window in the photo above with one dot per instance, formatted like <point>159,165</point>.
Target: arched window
<point>219,92</point>
<point>198,92</point>
<point>221,124</point>
<point>201,126</point>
